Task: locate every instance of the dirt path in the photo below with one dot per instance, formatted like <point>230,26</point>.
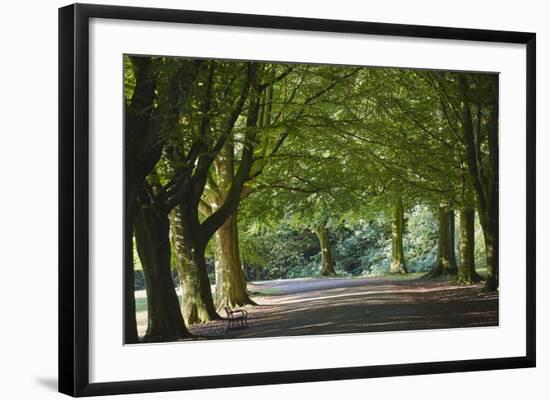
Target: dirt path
<point>328,306</point>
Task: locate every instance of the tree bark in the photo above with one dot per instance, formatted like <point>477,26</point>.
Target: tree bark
<point>231,287</point>
<point>483,175</point>
<point>190,236</point>
<point>492,236</point>
<point>398,264</point>
<point>143,147</point>
<point>130,323</point>
<point>197,303</point>
<point>452,253</point>
<point>327,266</point>
<point>444,265</point>
<point>492,248</point>
<point>466,271</point>
<point>258,273</point>
<point>231,291</point>
<point>165,322</point>
<point>135,169</point>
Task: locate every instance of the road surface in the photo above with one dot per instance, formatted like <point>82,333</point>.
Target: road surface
<point>331,306</point>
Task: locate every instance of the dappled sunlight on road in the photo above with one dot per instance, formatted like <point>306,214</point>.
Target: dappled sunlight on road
<point>333,306</point>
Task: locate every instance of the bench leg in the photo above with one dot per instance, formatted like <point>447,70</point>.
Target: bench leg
<point>229,324</point>
<point>240,322</point>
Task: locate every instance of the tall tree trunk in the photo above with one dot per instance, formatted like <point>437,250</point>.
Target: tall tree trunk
<point>191,236</point>
<point>197,303</point>
<point>130,323</point>
<point>231,288</point>
<point>245,273</point>
<point>327,267</point>
<point>165,322</point>
<point>143,149</point>
<point>484,175</point>
<point>492,248</point>
<point>444,265</point>
<point>258,275</point>
<point>231,291</point>
<point>139,159</point>
<point>453,267</point>
<point>398,264</point>
<point>492,235</point>
<point>218,275</point>
<point>466,270</point>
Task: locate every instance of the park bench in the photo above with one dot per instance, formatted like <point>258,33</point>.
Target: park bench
<point>236,319</point>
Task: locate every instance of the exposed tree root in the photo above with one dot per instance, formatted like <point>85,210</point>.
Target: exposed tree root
<point>231,304</point>
<point>196,314</point>
<point>470,279</point>
<point>437,272</point>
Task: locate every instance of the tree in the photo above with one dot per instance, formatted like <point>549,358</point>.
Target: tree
<point>327,263</point>
<point>231,288</point>
<point>481,142</point>
<point>398,264</point>
<point>300,149</point>
<point>445,262</point>
<point>466,272</point>
<point>469,103</point>
<point>311,97</point>
<point>151,109</point>
<point>191,235</point>
<point>165,321</point>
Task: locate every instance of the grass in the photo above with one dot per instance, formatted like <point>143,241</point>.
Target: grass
<point>411,276</point>
<point>267,291</point>
<point>141,303</point>
<point>397,276</point>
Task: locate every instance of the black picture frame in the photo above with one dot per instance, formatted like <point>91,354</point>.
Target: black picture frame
<point>74,198</point>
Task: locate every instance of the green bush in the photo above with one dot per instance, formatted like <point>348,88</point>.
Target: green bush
<point>360,249</point>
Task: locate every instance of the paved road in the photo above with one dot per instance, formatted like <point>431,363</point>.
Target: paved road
<point>329,306</point>
<point>294,286</point>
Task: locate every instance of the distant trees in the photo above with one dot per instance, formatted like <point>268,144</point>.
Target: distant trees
<point>327,263</point>
<point>446,260</point>
<point>398,264</point>
<point>316,147</point>
<point>466,269</point>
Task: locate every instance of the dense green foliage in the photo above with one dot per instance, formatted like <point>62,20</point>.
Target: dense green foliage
<point>361,249</point>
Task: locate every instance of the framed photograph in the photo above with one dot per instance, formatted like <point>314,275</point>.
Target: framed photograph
<point>251,199</point>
